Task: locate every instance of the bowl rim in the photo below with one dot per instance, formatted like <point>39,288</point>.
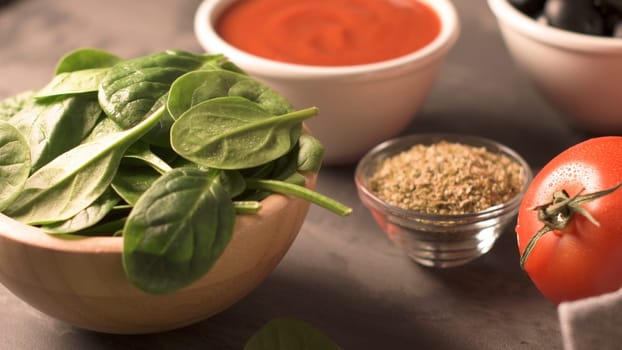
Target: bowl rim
<point>11,229</point>
<point>209,10</point>
<point>406,142</point>
<point>508,15</point>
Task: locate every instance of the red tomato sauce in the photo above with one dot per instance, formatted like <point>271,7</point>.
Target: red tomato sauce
<point>329,32</point>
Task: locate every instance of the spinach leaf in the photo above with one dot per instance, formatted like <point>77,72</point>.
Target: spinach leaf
<point>278,186</point>
<point>310,154</point>
<point>104,127</point>
<point>131,182</point>
<point>198,86</point>
<point>72,181</point>
<point>87,217</point>
<point>112,228</point>
<point>86,58</point>
<point>286,165</point>
<point>141,151</point>
<point>177,230</point>
<point>14,163</point>
<point>73,83</point>
<point>247,207</point>
<point>131,88</point>
<point>220,61</point>
<point>289,334</point>
<point>159,135</point>
<point>12,105</point>
<point>53,128</point>
<point>235,133</point>
<point>233,182</point>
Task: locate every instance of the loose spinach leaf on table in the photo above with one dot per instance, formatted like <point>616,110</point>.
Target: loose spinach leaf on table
<point>177,230</point>
<point>72,181</point>
<point>14,163</point>
<point>235,133</point>
<point>289,334</point>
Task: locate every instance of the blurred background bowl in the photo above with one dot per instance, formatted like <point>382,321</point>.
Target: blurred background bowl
<point>580,75</point>
<point>438,240</point>
<point>360,105</point>
<point>82,281</point>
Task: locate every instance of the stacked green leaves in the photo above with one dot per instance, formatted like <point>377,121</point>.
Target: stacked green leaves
<point>164,149</point>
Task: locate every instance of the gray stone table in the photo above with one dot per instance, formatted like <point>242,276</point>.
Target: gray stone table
<point>341,274</point>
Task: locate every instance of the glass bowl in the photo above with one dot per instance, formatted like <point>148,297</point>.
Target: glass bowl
<point>439,240</point>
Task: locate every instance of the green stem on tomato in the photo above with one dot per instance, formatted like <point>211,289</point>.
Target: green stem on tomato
<point>300,192</point>
<point>532,243</point>
<point>556,214</point>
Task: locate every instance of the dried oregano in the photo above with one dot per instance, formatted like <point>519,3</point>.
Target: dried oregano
<point>447,178</point>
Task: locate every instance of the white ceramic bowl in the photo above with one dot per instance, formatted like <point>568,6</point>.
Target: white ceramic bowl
<point>580,75</point>
<point>360,105</point>
<point>82,282</point>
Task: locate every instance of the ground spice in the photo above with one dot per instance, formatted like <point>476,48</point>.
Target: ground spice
<point>447,178</point>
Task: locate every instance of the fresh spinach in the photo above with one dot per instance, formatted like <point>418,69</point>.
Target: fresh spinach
<point>55,127</point>
<point>163,149</point>
<point>310,154</point>
<point>131,88</point>
<point>159,134</point>
<point>73,83</point>
<point>233,182</point>
<point>87,217</point>
<point>141,152</point>
<point>104,127</point>
<point>12,105</point>
<point>113,228</point>
<point>235,133</point>
<point>72,181</point>
<point>289,334</point>
<point>177,230</point>
<point>202,85</point>
<point>283,187</point>
<point>86,58</point>
<point>14,163</point>
<point>130,182</point>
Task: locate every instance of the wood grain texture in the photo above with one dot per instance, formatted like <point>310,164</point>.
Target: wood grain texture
<point>82,282</point>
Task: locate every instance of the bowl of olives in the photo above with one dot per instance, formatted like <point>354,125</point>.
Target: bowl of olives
<point>572,52</point>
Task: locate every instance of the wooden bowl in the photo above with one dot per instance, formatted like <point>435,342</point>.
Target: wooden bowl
<point>82,282</point>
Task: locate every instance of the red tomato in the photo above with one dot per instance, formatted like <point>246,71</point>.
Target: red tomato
<point>582,259</point>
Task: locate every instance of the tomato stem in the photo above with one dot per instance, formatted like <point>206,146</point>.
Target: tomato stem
<point>532,243</point>
<point>556,214</point>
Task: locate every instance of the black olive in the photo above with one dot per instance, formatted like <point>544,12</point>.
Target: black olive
<point>579,16</point>
<point>529,7</point>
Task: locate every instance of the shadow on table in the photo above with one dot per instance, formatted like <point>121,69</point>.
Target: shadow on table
<point>483,305</point>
